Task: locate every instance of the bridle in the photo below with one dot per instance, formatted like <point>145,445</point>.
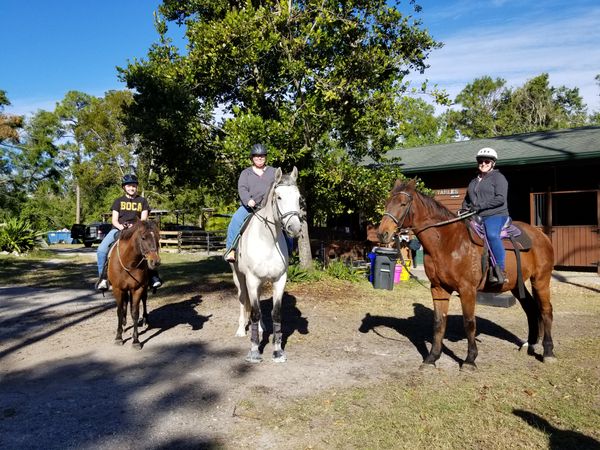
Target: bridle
<point>152,249</point>
<point>284,218</point>
<point>400,222</point>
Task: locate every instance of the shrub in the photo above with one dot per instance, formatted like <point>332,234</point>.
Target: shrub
<point>297,274</point>
<point>341,271</point>
<point>17,235</point>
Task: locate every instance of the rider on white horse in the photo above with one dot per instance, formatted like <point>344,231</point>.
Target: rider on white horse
<point>253,186</point>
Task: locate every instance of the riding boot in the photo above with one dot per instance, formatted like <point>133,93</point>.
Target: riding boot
<point>102,284</point>
<point>497,276</point>
<point>492,277</point>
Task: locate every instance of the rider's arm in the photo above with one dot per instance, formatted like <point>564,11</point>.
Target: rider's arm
<point>144,215</point>
<point>115,220</point>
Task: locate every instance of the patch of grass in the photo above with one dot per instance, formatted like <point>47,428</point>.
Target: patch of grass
<point>509,405</point>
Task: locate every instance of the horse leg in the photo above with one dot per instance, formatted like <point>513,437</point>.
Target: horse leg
<point>135,315</point>
<point>144,320</point>
<point>121,299</point>
<point>467,301</point>
<point>253,288</point>
<point>278,288</point>
<point>531,308</point>
<point>441,299</point>
<point>242,292</point>
<point>541,293</point>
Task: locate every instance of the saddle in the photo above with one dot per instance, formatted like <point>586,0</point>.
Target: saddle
<point>513,237</point>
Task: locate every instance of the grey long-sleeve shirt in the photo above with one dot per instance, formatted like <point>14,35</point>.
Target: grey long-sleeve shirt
<point>252,186</point>
<point>487,194</point>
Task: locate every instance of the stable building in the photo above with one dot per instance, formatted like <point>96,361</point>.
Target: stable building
<point>554,183</point>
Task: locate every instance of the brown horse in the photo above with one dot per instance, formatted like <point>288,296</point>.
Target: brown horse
<point>454,263</point>
<point>132,256</point>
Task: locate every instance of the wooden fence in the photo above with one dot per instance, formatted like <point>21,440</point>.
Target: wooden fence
<point>192,240</point>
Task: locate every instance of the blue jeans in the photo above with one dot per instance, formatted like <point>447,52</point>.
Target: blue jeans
<point>493,226</point>
<point>237,220</point>
<point>103,248</point>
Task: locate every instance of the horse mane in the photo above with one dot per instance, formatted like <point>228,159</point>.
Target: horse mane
<point>142,225</point>
<point>432,206</point>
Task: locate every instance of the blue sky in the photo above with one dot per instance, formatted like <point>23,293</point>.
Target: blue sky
<point>51,47</point>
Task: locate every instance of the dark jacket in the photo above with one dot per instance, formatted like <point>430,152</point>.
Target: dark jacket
<point>251,186</point>
<point>487,194</point>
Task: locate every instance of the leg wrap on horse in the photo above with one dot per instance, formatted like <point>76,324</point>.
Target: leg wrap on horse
<point>277,334</point>
<point>254,333</point>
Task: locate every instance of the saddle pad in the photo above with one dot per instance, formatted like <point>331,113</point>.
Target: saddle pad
<point>519,235</point>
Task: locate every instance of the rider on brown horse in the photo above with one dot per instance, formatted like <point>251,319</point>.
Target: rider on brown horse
<point>125,210</point>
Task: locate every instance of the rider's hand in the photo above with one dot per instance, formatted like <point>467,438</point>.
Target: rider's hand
<point>251,203</point>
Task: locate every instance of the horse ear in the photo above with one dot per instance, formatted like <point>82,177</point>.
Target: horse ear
<point>294,173</point>
<point>412,183</point>
<point>398,183</point>
<point>278,175</point>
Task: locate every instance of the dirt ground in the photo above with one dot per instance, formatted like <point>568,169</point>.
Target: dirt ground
<point>64,384</point>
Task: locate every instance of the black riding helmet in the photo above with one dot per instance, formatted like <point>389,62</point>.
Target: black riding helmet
<point>129,179</point>
<point>258,149</point>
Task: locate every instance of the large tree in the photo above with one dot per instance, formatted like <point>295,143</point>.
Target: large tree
<point>491,109</point>
<point>305,77</point>
<point>10,125</point>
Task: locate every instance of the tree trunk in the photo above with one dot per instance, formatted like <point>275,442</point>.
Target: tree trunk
<point>304,251</point>
<point>77,203</point>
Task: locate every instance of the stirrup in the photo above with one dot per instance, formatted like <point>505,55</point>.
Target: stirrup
<point>230,256</point>
<point>102,285</point>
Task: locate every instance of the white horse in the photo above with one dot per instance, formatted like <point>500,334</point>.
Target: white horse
<point>262,255</point>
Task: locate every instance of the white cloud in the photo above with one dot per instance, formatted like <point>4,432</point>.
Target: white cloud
<point>568,49</point>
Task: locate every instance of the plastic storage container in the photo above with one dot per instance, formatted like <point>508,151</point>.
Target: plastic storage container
<point>385,266</point>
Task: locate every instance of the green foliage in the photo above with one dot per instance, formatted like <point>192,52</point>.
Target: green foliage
<point>297,274</point>
<point>490,109</point>
<point>18,235</point>
<point>342,271</point>
<point>308,79</point>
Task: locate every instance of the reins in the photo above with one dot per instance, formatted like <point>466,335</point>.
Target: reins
<point>400,222</point>
<point>275,207</point>
<point>125,268</point>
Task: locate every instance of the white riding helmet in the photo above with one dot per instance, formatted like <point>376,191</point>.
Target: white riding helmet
<point>487,152</point>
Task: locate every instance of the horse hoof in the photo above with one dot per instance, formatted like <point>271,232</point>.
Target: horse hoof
<point>136,345</point>
<point>118,342</point>
<point>279,356</point>
<point>427,366</point>
<point>468,367</point>
<point>550,359</point>
<point>253,357</point>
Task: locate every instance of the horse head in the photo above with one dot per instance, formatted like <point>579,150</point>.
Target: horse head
<point>146,236</point>
<point>397,210</point>
<point>286,199</point>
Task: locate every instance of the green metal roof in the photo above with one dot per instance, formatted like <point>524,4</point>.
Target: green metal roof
<point>530,148</point>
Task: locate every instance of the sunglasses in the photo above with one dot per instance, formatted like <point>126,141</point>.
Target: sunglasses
<point>484,161</point>
<point>259,156</point>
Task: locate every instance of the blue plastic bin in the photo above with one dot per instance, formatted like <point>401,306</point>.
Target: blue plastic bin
<point>59,237</point>
<point>64,237</point>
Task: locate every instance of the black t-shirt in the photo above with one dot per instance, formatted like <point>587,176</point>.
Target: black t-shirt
<point>130,208</point>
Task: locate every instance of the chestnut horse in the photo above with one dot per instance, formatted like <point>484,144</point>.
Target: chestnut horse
<point>134,253</point>
<point>453,263</point>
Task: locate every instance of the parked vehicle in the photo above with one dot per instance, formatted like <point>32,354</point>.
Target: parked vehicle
<point>90,234</point>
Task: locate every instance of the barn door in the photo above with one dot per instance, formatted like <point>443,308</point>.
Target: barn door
<point>571,219</point>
